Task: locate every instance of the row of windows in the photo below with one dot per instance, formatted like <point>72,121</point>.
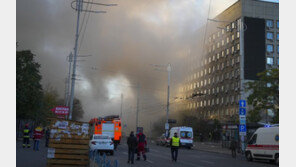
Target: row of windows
<point>220,112</point>
<point>214,101</point>
<point>270,24</point>
<point>234,25</point>
<point>223,88</point>
<point>223,42</point>
<point>216,67</point>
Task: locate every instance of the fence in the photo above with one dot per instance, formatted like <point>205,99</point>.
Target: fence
<point>100,161</point>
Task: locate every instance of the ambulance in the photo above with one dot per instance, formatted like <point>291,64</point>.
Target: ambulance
<point>107,126</point>
<point>185,134</point>
<point>264,144</point>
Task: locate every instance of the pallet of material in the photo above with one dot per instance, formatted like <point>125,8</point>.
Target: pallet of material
<point>68,144</point>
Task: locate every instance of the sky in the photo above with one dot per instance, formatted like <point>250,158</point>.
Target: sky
<point>123,43</point>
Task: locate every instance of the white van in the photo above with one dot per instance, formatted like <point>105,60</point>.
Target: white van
<point>264,144</point>
<point>185,134</point>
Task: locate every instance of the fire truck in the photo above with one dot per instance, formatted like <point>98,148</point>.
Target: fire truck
<point>107,126</point>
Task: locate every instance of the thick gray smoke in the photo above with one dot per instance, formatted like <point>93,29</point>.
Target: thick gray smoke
<point>123,43</point>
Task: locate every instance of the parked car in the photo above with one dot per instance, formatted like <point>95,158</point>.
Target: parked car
<point>162,141</point>
<point>264,144</point>
<point>101,144</point>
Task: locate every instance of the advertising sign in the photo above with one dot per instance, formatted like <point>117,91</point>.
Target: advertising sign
<point>61,110</point>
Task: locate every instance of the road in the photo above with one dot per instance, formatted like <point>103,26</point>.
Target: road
<point>158,156</point>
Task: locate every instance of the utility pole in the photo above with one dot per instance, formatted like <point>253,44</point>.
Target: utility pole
<point>169,69</point>
<point>79,5</point>
<point>121,106</point>
<point>69,80</point>
<point>137,115</point>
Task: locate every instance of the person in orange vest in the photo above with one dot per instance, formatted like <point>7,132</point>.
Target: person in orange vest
<point>26,136</point>
<point>38,133</point>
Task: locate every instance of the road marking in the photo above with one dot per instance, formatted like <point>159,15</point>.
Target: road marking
<point>207,162</point>
<point>149,161</point>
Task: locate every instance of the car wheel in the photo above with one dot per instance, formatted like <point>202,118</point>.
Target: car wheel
<point>112,152</point>
<point>276,159</point>
<point>249,156</point>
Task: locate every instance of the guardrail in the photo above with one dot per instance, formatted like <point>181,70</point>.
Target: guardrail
<point>101,161</point>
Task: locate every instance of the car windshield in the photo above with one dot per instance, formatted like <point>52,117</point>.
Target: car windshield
<point>101,137</point>
<point>185,134</point>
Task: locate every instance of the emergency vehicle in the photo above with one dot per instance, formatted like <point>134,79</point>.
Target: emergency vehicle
<point>185,134</point>
<point>107,126</point>
<point>264,144</point>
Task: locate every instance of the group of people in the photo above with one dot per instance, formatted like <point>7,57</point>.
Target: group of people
<point>138,144</point>
<point>37,135</point>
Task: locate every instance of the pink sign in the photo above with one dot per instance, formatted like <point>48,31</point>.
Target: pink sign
<point>61,110</point>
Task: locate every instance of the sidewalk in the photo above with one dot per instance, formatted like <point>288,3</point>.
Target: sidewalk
<point>214,147</point>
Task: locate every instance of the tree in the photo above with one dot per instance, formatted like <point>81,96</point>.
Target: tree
<point>28,88</point>
<point>254,116</point>
<point>264,93</point>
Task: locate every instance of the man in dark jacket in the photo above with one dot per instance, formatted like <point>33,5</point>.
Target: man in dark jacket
<point>132,145</point>
<point>233,147</point>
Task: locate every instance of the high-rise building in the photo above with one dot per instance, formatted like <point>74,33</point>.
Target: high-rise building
<point>240,42</point>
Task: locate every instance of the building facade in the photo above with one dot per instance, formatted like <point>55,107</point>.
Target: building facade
<point>239,43</point>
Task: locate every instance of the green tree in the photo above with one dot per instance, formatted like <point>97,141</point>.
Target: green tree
<point>28,88</point>
<point>264,93</point>
<point>254,116</point>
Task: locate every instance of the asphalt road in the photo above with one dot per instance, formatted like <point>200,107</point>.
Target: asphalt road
<point>160,156</point>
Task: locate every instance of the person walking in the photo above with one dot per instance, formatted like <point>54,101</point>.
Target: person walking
<point>38,133</point>
<point>233,147</point>
<point>175,143</point>
<point>141,138</point>
<point>47,134</point>
<point>26,136</point>
<point>132,145</point>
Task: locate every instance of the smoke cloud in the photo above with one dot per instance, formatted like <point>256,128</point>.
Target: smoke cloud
<point>123,43</point>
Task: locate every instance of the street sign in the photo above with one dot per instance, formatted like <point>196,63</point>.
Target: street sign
<point>242,103</point>
<point>61,110</point>
<point>242,129</point>
<point>242,111</point>
<point>167,126</point>
<point>242,119</point>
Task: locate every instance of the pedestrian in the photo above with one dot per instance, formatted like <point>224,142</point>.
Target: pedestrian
<point>26,136</point>
<point>141,138</point>
<point>175,143</point>
<point>47,134</point>
<point>201,137</point>
<point>132,145</point>
<point>37,136</point>
<point>233,147</point>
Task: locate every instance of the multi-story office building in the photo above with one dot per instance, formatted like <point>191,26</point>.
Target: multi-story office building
<point>240,42</point>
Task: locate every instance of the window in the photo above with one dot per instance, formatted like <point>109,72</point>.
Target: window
<point>253,139</point>
<point>223,31</point>
<point>209,81</point>
<point>269,60</point>
<point>213,47</point>
<point>209,102</point>
<point>201,83</point>
<point>237,34</point>
<point>237,46</point>
<point>233,25</point>
<point>232,63</point>
<point>228,28</point>
<point>210,59</point>
<point>227,51</point>
<point>227,40</point>
<point>222,54</point>
<point>232,37</point>
<point>269,35</point>
<point>277,36</point>
<point>205,71</point>
<point>238,23</point>
<point>213,58</point>
<point>217,101</point>
<point>214,36</point>
<point>269,23</point>
<point>214,68</point>
<point>269,48</point>
<point>218,45</point>
<point>277,24</point>
<point>205,82</point>
<point>209,70</point>
<point>222,42</point>
<point>232,49</point>
<point>218,35</point>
